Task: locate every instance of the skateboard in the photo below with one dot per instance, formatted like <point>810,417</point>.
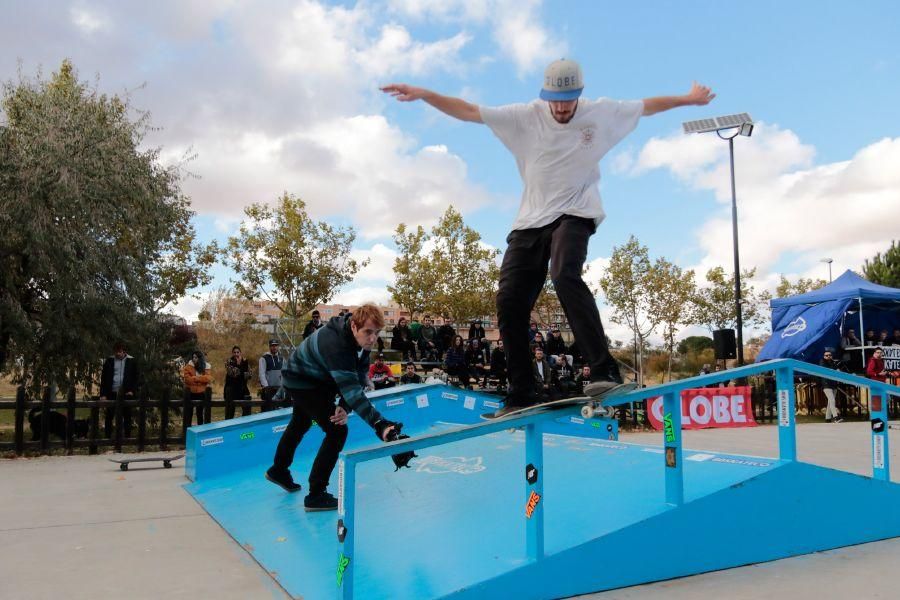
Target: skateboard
<point>592,406</point>
<point>166,461</point>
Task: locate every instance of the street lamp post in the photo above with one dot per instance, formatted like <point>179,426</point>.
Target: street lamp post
<point>728,128</point>
<point>829,261</point>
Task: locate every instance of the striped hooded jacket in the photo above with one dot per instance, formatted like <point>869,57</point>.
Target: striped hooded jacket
<point>331,357</point>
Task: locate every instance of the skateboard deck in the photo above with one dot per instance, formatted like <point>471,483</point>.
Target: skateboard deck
<point>166,460</point>
<point>591,405</point>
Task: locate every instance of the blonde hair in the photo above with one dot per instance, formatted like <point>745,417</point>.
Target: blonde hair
<point>366,313</point>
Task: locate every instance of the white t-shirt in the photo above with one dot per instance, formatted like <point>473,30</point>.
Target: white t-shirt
<point>559,162</point>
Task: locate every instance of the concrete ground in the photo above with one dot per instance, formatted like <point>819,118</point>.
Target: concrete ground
<point>80,528</point>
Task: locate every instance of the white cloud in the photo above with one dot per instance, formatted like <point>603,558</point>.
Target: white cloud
<point>791,212</point>
<point>360,295</point>
<point>516,26</point>
<point>381,263</point>
<point>89,21</point>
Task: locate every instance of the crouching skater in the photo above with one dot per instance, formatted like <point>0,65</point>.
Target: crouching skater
<point>333,361</point>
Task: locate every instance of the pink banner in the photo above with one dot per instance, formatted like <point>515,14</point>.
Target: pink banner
<point>702,408</point>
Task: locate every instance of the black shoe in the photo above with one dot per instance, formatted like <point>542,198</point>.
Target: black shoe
<point>320,502</point>
<point>837,420</point>
<point>284,480</point>
<point>828,420</point>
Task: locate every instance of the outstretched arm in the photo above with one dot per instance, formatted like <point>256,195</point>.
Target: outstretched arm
<point>455,107</point>
<point>699,95</point>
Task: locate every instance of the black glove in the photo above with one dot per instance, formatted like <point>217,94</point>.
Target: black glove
<point>402,459</point>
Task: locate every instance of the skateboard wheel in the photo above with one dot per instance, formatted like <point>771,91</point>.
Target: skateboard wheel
<point>123,466</point>
<point>587,412</point>
<point>167,464</point>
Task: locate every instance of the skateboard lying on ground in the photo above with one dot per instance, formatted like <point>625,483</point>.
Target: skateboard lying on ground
<point>592,406</point>
<point>166,460</point>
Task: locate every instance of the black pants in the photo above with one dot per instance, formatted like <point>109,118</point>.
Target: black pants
<point>235,392</point>
<point>267,393</point>
<point>312,405</point>
<point>189,411</point>
<point>109,415</point>
<point>563,244</point>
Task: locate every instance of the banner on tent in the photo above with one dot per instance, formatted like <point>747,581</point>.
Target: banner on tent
<point>702,408</point>
<point>892,358</point>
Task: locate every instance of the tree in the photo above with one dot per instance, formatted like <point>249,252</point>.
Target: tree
<point>694,344</point>
<point>294,261</point>
<point>884,269</point>
<point>547,307</point>
<point>414,286</point>
<point>670,292</point>
<point>464,273</point>
<point>95,234</point>
<point>713,306</point>
<point>786,288</point>
<point>626,283</point>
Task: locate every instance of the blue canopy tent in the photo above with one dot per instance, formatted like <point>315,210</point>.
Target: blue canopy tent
<point>804,325</point>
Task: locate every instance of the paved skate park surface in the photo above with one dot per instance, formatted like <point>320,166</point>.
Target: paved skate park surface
<point>79,527</point>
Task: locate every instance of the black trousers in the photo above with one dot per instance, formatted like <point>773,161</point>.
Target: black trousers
<point>235,392</point>
<point>109,417</point>
<point>563,244</point>
<point>312,405</point>
<point>189,413</point>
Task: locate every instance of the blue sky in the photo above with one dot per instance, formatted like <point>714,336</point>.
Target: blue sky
<point>282,95</point>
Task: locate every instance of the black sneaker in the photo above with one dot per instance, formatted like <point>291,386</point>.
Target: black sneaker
<point>319,502</point>
<point>837,420</point>
<point>283,480</point>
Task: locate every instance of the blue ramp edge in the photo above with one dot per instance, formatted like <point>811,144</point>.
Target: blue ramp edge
<point>782,512</point>
<point>454,521</point>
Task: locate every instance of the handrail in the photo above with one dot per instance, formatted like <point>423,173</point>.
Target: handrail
<point>746,371</point>
<point>783,369</point>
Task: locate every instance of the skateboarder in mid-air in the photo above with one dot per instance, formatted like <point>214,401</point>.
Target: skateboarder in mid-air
<point>333,361</point>
<point>557,142</point>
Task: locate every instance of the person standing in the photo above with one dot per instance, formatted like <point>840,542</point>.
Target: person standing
<point>270,365</point>
<point>196,379</point>
<point>314,323</point>
<point>333,361</point>
<point>828,388</point>
<point>120,374</point>
<point>875,367</point>
<point>237,374</point>
<point>557,142</point>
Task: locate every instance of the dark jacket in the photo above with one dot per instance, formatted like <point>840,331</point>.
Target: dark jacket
<point>311,328</point>
<point>401,338</point>
<point>455,357</point>
<point>476,356</point>
<point>476,332</point>
<point>498,360</point>
<point>555,345</point>
<point>445,335</point>
<point>548,372</point>
<point>414,378</point>
<point>828,364</point>
<point>236,376</point>
<point>130,378</point>
<point>329,359</point>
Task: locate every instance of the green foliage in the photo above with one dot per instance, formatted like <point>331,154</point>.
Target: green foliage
<point>548,307</point>
<point>456,278</point>
<point>786,288</point>
<point>884,269</point>
<point>414,286</point>
<point>694,344</point>
<point>291,259</point>
<point>671,290</point>
<point>627,284</point>
<point>95,234</point>
<point>713,306</point>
